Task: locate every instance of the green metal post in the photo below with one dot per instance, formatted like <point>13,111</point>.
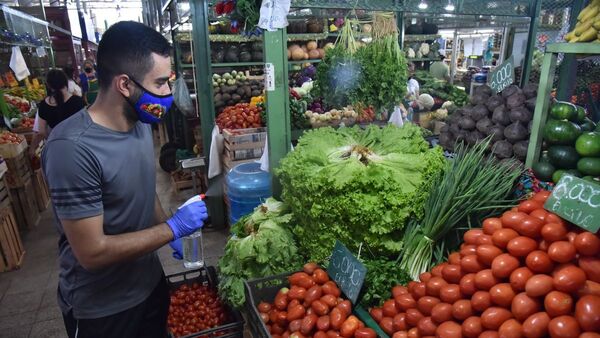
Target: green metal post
<point>542,105</point>
<point>278,100</point>
<point>204,95</point>
<point>534,12</point>
<point>568,68</point>
<point>199,14</point>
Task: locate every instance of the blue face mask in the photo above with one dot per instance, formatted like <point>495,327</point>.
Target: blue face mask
<point>151,108</point>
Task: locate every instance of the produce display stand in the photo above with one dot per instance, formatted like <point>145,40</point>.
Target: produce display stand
<point>543,102</point>
<point>19,181</point>
<point>11,247</point>
<point>274,48</point>
<point>42,193</point>
<point>265,290</point>
<point>207,276</point>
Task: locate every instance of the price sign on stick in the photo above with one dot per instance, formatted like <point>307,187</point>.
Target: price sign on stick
<point>503,76</point>
<point>346,271</point>
<point>577,201</point>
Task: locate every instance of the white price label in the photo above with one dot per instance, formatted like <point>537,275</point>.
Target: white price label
<point>269,77</point>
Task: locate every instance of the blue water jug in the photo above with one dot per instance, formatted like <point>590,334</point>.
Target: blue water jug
<point>247,188</point>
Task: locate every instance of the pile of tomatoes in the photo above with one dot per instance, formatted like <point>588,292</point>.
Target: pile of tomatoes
<point>27,122</point>
<point>195,308</point>
<point>10,138</point>
<point>527,273</point>
<point>312,307</point>
<point>240,116</point>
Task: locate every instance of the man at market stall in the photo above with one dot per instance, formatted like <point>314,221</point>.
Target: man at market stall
<point>440,69</point>
<point>100,168</point>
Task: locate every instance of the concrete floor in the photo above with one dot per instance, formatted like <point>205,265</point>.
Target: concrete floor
<point>28,305</point>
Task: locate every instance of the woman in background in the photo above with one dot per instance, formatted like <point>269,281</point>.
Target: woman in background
<point>58,106</point>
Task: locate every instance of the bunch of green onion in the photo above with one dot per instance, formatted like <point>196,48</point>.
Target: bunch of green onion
<point>471,185</point>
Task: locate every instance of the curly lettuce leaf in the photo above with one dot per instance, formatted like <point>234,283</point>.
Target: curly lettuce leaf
<point>358,186</point>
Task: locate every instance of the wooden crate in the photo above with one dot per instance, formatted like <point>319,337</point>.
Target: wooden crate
<point>183,184</point>
<point>25,206</point>
<point>27,133</point>
<point>42,193</point>
<point>9,150</point>
<point>237,137</point>
<point>11,247</point>
<point>19,170</point>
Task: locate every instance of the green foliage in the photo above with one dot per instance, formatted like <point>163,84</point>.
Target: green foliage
<point>384,74</point>
<point>442,89</point>
<point>382,276</point>
<point>357,186</point>
<point>262,245</point>
<point>337,76</point>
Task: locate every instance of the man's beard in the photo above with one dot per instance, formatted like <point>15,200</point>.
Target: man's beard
<point>129,107</point>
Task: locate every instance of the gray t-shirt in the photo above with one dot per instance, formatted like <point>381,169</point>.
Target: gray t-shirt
<point>92,170</point>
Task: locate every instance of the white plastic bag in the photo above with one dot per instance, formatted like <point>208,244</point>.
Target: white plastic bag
<point>264,159</point>
<point>216,148</point>
<point>273,14</point>
<point>181,97</point>
<point>396,118</point>
<point>17,64</point>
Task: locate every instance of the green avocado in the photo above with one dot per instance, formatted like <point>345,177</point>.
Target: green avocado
<point>563,111</point>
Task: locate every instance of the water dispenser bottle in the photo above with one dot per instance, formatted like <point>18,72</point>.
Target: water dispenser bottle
<point>247,188</point>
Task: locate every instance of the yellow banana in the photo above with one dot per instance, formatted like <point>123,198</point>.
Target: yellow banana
<point>590,14</point>
<point>588,35</point>
<point>580,29</point>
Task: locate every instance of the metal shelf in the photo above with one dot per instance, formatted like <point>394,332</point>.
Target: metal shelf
<point>420,37</point>
<point>307,37</point>
<point>304,61</point>
<point>422,59</point>
<point>237,64</point>
<point>187,66</point>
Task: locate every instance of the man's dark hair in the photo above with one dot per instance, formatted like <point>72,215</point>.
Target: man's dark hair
<point>126,48</point>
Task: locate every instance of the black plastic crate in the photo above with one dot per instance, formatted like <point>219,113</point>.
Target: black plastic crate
<point>257,291</point>
<point>265,290</point>
<point>207,276</point>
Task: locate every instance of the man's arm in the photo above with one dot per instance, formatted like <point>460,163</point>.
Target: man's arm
<point>159,212</point>
<point>94,250</point>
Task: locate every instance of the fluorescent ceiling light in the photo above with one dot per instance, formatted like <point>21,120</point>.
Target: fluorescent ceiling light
<point>450,6</point>
<point>423,5</point>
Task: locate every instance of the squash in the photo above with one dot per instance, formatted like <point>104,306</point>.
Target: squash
<point>297,54</point>
<point>313,54</point>
<point>311,45</point>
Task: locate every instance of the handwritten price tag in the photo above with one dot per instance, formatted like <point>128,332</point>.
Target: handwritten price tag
<point>348,273</point>
<point>503,76</point>
<point>577,201</point>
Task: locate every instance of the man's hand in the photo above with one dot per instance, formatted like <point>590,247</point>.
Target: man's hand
<point>188,218</point>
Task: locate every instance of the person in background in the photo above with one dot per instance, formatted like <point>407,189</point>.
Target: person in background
<point>412,84</point>
<point>440,70</point>
<point>89,82</point>
<point>58,106</point>
<point>74,88</point>
<point>101,173</point>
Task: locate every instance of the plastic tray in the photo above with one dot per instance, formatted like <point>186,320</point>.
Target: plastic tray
<point>265,290</point>
<point>208,277</point>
